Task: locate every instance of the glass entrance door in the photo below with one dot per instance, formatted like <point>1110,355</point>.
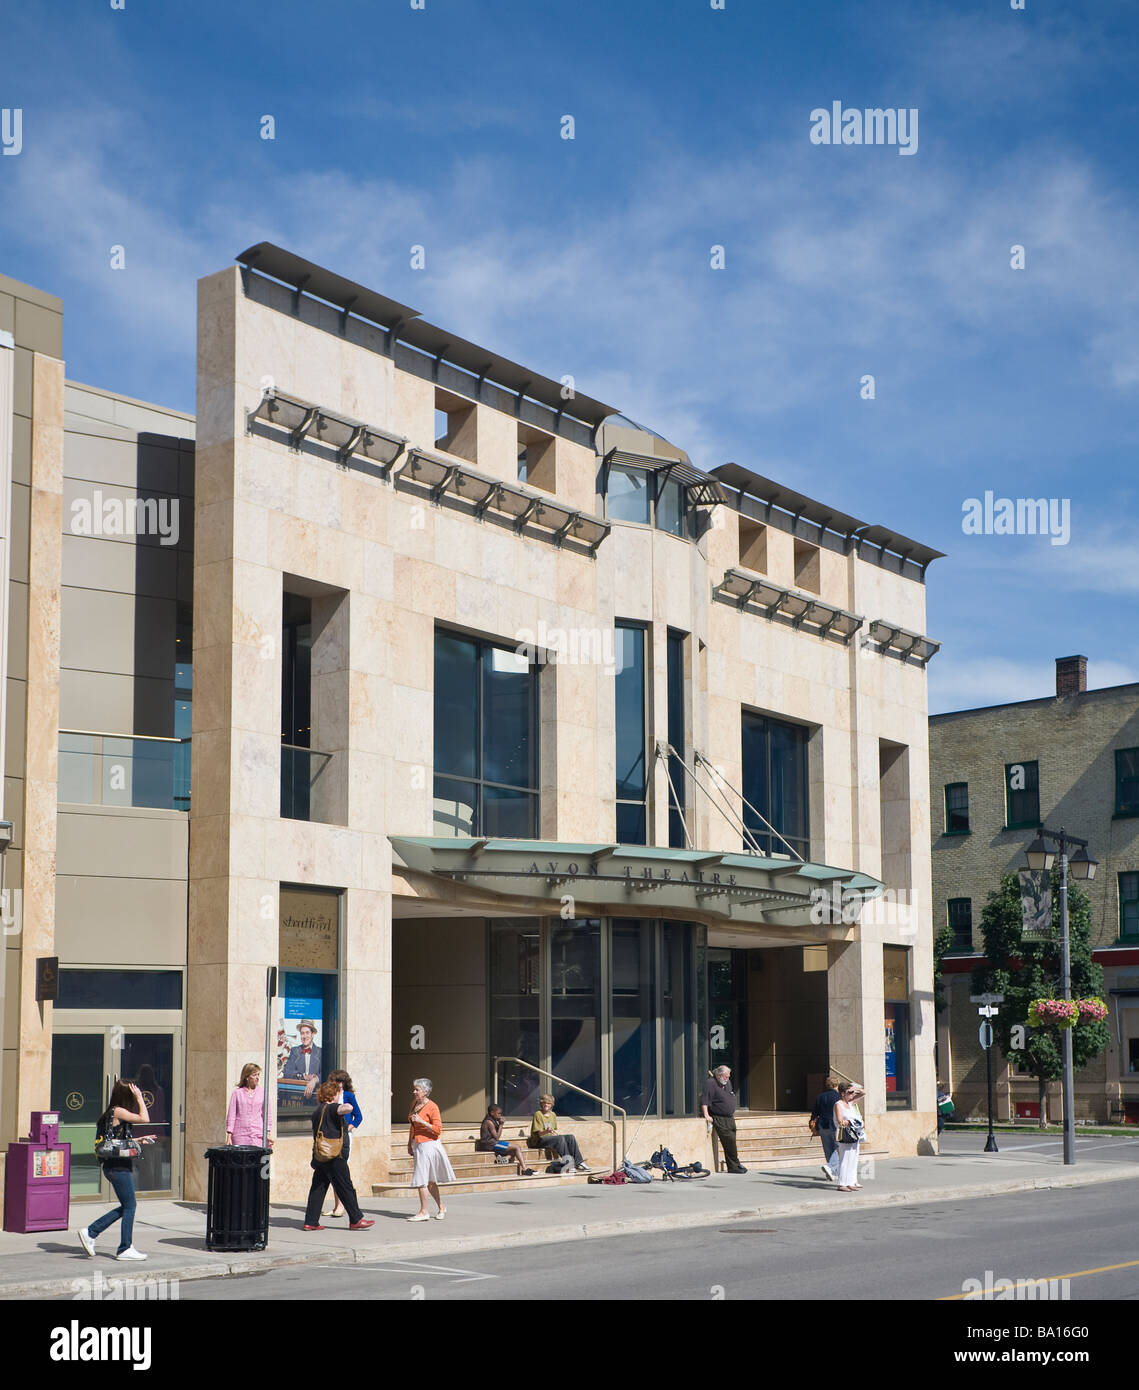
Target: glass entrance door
<point>84,1063</point>
<point>79,1065</point>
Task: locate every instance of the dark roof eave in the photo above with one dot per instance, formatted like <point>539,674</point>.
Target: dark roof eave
<point>308,278</point>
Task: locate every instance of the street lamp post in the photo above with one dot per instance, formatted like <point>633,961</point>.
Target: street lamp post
<point>1083,866</point>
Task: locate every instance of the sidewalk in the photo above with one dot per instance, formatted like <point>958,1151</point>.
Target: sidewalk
<point>46,1264</point>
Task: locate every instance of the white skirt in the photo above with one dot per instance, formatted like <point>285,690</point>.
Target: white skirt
<point>431,1164</point>
<point>847,1165</point>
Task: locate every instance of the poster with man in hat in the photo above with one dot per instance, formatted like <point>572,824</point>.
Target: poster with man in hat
<point>304,1059</point>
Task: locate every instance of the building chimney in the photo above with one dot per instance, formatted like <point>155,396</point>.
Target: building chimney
<point>1071,675</point>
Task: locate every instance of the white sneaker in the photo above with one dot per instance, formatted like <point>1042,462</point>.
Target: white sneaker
<point>420,1216</point>
<point>584,1168</point>
<point>828,1172</point>
<point>87,1240</point>
<point>130,1254</point>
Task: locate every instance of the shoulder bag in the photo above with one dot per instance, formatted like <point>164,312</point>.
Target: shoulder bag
<point>324,1150</point>
<point>110,1147</point>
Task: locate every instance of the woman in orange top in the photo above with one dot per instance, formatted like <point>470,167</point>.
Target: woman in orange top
<point>432,1166</point>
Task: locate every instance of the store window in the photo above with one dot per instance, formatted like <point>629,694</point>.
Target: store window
<point>896,994</point>
<point>775,784</point>
<point>1022,796</point>
<point>308,957</point>
<point>486,739</point>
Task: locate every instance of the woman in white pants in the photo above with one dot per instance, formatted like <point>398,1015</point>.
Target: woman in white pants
<point>846,1113</point>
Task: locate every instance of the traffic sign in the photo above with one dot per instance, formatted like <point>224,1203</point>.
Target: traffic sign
<point>988,1010</point>
<point>985,1035</point>
<point>986,999</point>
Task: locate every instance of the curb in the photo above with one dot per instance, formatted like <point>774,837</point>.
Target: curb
<point>549,1235</point>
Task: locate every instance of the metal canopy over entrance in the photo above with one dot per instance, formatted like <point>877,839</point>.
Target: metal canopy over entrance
<point>790,899</point>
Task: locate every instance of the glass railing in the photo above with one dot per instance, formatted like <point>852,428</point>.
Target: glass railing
<point>99,769</point>
<point>301,789</point>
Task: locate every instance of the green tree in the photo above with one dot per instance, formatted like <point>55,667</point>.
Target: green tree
<point>941,945</point>
<point>1026,970</point>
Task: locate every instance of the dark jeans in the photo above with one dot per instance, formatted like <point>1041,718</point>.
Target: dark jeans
<point>335,1171</point>
<point>564,1145</point>
<point>725,1127</point>
<point>122,1180</point>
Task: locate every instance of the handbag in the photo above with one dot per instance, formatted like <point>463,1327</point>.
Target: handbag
<point>109,1148</point>
<point>324,1149</point>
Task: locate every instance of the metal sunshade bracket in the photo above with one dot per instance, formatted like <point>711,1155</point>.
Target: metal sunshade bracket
<point>444,483</point>
<point>347,450</point>
<point>493,495</point>
<point>525,516</point>
<point>572,521</point>
<point>345,310</point>
<point>297,435</point>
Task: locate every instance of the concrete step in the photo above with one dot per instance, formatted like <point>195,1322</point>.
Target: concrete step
<point>502,1181</point>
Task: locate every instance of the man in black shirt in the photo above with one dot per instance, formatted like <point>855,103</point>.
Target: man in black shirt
<point>718,1106</point>
<point>822,1115</point>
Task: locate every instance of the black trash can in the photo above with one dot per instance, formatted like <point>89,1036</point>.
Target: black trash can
<point>237,1201</point>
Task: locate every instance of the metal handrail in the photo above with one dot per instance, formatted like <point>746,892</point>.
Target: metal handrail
<point>581,1092</point>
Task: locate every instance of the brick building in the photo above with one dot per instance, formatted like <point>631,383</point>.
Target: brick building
<point>1069,759</point>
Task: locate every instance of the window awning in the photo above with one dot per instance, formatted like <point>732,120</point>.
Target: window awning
<point>802,609</point>
<point>790,900</point>
<point>891,638</point>
<point>703,490</point>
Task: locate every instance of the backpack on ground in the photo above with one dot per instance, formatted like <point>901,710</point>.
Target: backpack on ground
<point>671,1170</point>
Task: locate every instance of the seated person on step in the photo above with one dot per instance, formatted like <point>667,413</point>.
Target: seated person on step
<point>544,1135</point>
<point>490,1140</point>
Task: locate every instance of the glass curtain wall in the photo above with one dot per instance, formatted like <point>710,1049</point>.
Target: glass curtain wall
<point>486,740</point>
<point>775,783</point>
<point>612,1006</point>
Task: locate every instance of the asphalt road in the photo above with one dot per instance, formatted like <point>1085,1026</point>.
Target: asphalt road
<point>921,1252</point>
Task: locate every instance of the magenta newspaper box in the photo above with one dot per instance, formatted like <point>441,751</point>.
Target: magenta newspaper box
<point>37,1178</point>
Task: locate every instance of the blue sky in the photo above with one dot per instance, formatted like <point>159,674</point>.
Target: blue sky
<point>441,127</point>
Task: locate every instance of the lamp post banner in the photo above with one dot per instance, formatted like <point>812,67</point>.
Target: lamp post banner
<point>1035,905</point>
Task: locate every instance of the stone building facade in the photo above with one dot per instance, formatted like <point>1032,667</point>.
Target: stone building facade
<point>1079,752</point>
<point>513,742</point>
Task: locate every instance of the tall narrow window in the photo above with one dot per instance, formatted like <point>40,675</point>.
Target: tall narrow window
<point>1127,781</point>
<point>486,754</point>
<point>1022,795</point>
<point>960,915</point>
<point>677,792</point>
<point>956,808</point>
<point>633,981</point>
<point>775,784</point>
<point>630,694</point>
<point>296,706</point>
<point>1129,905</point>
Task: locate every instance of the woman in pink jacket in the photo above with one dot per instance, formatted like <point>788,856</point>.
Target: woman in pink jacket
<point>245,1117</point>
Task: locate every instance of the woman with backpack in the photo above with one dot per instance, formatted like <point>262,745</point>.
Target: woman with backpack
<point>328,1162</point>
<point>126,1107</point>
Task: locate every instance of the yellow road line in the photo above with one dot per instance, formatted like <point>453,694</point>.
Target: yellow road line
<point>1079,1274</point>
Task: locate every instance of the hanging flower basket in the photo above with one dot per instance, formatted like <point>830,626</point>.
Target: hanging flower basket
<point>1091,1010</point>
<point>1055,1013</point>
